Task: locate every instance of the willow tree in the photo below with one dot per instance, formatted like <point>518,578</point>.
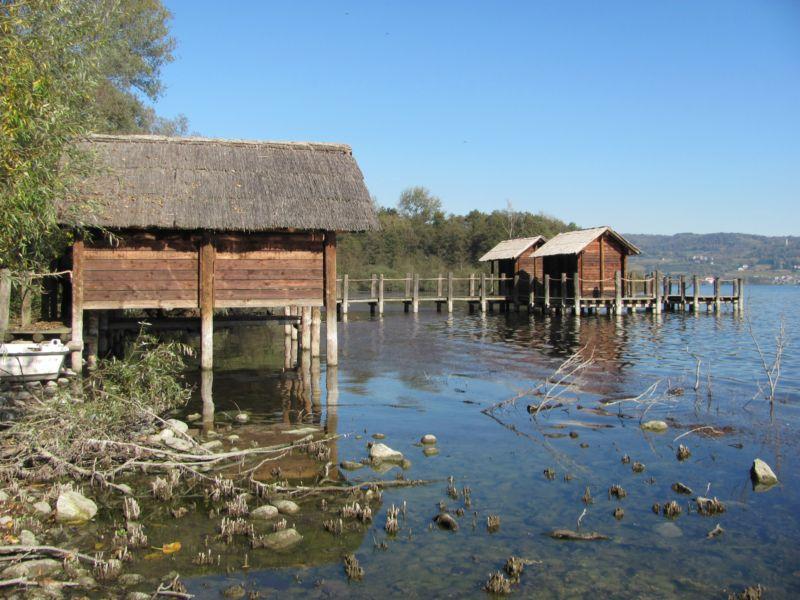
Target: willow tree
<point>56,58</point>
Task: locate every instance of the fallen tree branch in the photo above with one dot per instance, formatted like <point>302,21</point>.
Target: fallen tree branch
<point>46,550</point>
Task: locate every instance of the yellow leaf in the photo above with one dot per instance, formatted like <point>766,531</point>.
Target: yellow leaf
<point>98,545</point>
<point>171,548</point>
<point>10,539</point>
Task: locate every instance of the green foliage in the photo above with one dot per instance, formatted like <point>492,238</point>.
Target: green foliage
<point>66,67</point>
<point>419,237</point>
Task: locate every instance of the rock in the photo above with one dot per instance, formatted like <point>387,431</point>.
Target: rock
<point>668,530</point>
<point>130,579</point>
<point>87,582</point>
<point>3,496</point>
<point>302,431</point>
<point>430,451</point>
<point>445,521</point>
<point>287,507</point>
<point>234,592</point>
<point>179,444</point>
<point>26,538</point>
<point>166,434</point>
<point>138,596</point>
<point>264,513</point>
<point>62,381</point>
<point>654,426</point>
<point>194,417</point>
<point>32,569</point>
<point>280,539</point>
<point>176,425</point>
<point>378,436</point>
<point>212,445</point>
<point>428,438</point>
<point>242,417</point>
<point>405,464</point>
<point>762,474</point>
<point>233,438</point>
<point>382,452</point>
<point>350,465</point>
<point>212,435</point>
<point>74,507</point>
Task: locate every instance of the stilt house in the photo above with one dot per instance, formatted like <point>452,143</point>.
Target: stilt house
<point>194,223</point>
<point>594,254</point>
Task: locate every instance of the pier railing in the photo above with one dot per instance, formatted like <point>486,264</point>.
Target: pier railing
<point>564,292</point>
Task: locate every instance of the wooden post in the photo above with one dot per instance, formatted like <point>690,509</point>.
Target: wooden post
<point>439,286</point>
<point>415,294</point>
<point>345,293</point>
<point>483,292</point>
<point>92,339</point>
<point>657,292</point>
<point>381,284</point>
<point>26,292</point>
<point>5,301</point>
<point>682,292</point>
<point>618,292</point>
<point>695,294</point>
<point>716,294</point>
<point>547,292</point>
<point>740,295</point>
<point>76,357</point>
<point>471,285</point>
<point>450,292</point>
<point>294,312</point>
<point>408,285</point>
<point>576,292</point>
<point>329,252</point>
<point>305,328</point>
<point>563,291</point>
<point>316,318</point>
<point>515,292</point>
<point>207,255</point>
<point>373,286</point>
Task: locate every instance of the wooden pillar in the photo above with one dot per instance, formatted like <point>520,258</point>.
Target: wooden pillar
<point>515,292</point>
<point>682,292</point>
<point>483,292</point>
<point>439,286</point>
<point>618,292</point>
<point>207,255</point>
<point>716,294</point>
<point>472,285</point>
<point>293,331</point>
<point>695,294</point>
<point>546,305</point>
<point>576,292</point>
<point>329,252</point>
<point>305,328</point>
<point>563,292</point>
<point>26,293</point>
<point>415,294</point>
<point>450,292</point>
<point>5,301</point>
<point>316,318</point>
<point>76,356</point>
<point>408,285</point>
<point>657,289</point>
<point>345,293</point>
<point>92,339</point>
<point>373,286</point>
<point>381,285</point>
<point>740,294</point>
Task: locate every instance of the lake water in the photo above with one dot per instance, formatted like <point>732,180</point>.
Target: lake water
<point>406,375</point>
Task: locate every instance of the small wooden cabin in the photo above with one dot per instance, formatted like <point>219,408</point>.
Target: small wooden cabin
<point>511,257</point>
<point>195,223</point>
<point>594,254</point>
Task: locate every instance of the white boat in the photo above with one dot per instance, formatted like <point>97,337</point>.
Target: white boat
<point>29,361</point>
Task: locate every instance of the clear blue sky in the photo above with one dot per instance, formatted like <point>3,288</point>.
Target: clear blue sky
<point>650,116</point>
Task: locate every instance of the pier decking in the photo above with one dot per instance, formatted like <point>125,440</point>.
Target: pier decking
<point>484,292</point>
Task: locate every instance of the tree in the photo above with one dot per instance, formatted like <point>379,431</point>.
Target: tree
<point>56,57</point>
<point>419,204</point>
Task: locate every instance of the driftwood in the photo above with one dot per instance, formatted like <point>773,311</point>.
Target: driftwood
<point>46,550</point>
<point>568,534</point>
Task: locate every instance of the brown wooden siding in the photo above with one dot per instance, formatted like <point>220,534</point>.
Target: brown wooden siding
<point>161,270</point>
<point>600,260</point>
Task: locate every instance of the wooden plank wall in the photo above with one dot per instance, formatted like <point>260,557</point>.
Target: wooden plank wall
<point>267,270</point>
<point>161,270</point>
<point>600,260</point>
<point>141,270</point>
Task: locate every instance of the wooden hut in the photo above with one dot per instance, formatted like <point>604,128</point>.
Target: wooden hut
<point>194,223</point>
<point>594,254</point>
<point>513,260</point>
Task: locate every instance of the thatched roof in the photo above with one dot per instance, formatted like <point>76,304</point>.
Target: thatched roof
<point>199,183</point>
<point>511,248</point>
<point>573,242</point>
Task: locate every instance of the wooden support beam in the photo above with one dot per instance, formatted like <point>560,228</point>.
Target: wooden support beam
<point>381,284</point>
<point>415,294</point>
<point>316,323</point>
<point>373,286</point>
<point>657,289</point>
<point>76,356</point>
<point>483,292</point>
<point>5,301</point>
<point>345,293</point>
<point>472,285</point>
<point>683,292</point>
<point>740,294</point>
<point>546,305</point>
<point>26,293</point>
<point>439,286</point>
<point>329,254</point>
<point>617,292</point>
<point>207,256</point>
<point>695,294</point>
<point>576,292</point>
<point>450,292</point>
<point>305,328</point>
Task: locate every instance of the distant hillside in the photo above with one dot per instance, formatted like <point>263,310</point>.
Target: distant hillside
<point>718,253</point>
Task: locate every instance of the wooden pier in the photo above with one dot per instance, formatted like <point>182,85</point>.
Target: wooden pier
<point>484,292</point>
